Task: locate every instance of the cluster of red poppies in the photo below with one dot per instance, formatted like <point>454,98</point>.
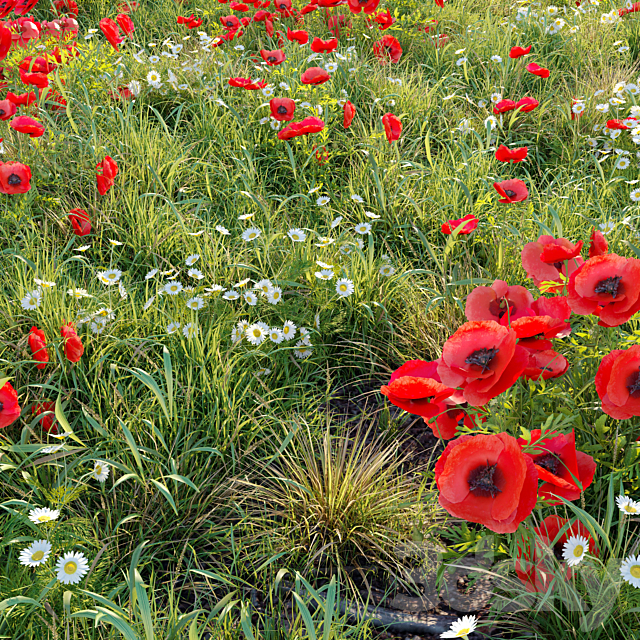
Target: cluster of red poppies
<point>387,50</point>
<point>73,350</point>
<point>509,336</point>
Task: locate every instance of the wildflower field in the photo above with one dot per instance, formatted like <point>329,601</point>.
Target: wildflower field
<point>319,320</point>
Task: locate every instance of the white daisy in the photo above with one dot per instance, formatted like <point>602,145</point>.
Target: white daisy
<point>276,335</point>
<point>364,228</point>
<point>40,515</point>
<point>250,298</point>
<point>491,122</point>
<point>251,234</point>
<point>263,372</point>
<point>623,163</point>
<point>325,274</point>
<point>71,567</point>
<point>357,198</point>
<point>496,59</point>
<point>78,293</point>
<point>461,628</point>
<point>370,214</point>
<point>461,61</point>
<point>223,230</point>
<point>100,471</point>
<point>264,285</point>
<point>289,330</point>
<point>344,287</point>
<point>255,334</point>
<point>336,221</point>
<point>192,259</point>
<point>574,550</point>
<point>195,304</point>
<point>246,216</point>
<point>172,327</point>
<point>301,351</point>
<point>109,277</point>
<point>630,570</point>
<point>316,321</point>
<point>275,295</point>
<point>148,303</point>
<point>97,327</point>
<point>214,288</point>
<point>195,273</point>
<point>32,300</point>
<point>322,200</point>
<point>231,295</point>
<point>35,554</point>
<point>635,195</point>
<point>324,265</point>
<point>173,288</point>
<point>297,235</point>
<point>189,330</point>
<point>627,505</point>
<point>44,284</point>
<point>386,270</point>
<point>122,291</point>
<point>236,335</point>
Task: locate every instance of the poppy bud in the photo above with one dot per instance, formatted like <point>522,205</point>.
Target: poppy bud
<point>106,171</point>
<point>38,346</point>
<point>392,126</point>
<point>73,347</point>
<point>80,222</point>
<point>9,407</point>
<point>349,112</point>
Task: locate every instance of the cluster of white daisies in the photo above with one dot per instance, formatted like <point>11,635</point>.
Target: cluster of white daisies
<point>260,332</point>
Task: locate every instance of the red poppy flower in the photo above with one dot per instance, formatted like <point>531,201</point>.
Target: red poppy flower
<point>607,286</point>
<point>483,359</point>
<point>126,24</point>
<point>6,40</point>
<point>487,479</point>
<point>14,177</point>
<point>527,104</point>
<point>416,387</point>
<point>518,52</point>
<point>503,106</point>
<point>511,190</point>
<point>258,16</point>
<point>385,20</point>
<point>598,246</point>
<point>469,223</point>
<point>66,6</point>
<point>80,222</point>
<point>247,83</point>
<point>499,302</point>
<point>339,25</point>
<point>556,307</point>
<point>368,6</point>
<point>535,565</point>
<point>273,58</point>
<point>37,65</point>
<point>39,80</point>
<point>315,75</point>
<point>308,9</point>
<point>329,3</point>
<point>537,70</point>
<point>268,27</point>
<point>9,407</point>
<point>6,7</point>
<point>302,128</point>
<point>282,5</point>
<point>545,364</point>
<point>282,109</point>
<point>25,124</point>
<point>618,384</point>
<point>38,346</point>
<point>241,7</point>
<point>348,112</point>
<point>504,154</point>
<point>48,419</point>
<point>194,23</point>
<point>111,32</point>
<point>24,29</point>
<point>73,347</point>
<point>542,270</point>
<point>387,50</point>
<point>301,37</point>
<point>324,46</point>
<point>7,109</point>
<point>392,126</point>
<point>564,471</point>
<point>536,332</point>
<point>230,22</point>
<point>106,171</point>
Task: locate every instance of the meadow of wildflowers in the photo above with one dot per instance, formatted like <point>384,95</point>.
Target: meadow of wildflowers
<point>319,319</point>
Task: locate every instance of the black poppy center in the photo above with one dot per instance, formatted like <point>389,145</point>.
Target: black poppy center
<point>14,179</point>
<point>609,286</point>
<point>1,406</point>
<point>2,112</point>
<point>634,385</point>
<point>481,481</point>
<point>558,549</point>
<point>500,307</point>
<point>482,358</point>
<point>230,23</point>
<point>271,59</point>
<point>510,193</point>
<point>558,265</point>
<point>282,110</point>
<point>549,462</point>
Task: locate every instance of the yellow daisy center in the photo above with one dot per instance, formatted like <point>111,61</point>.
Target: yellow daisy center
<point>43,518</point>
<point>629,509</point>
<point>635,571</point>
<point>98,470</point>
<point>343,287</point>
<point>578,551</point>
<point>70,567</point>
<point>256,333</point>
<point>37,556</point>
